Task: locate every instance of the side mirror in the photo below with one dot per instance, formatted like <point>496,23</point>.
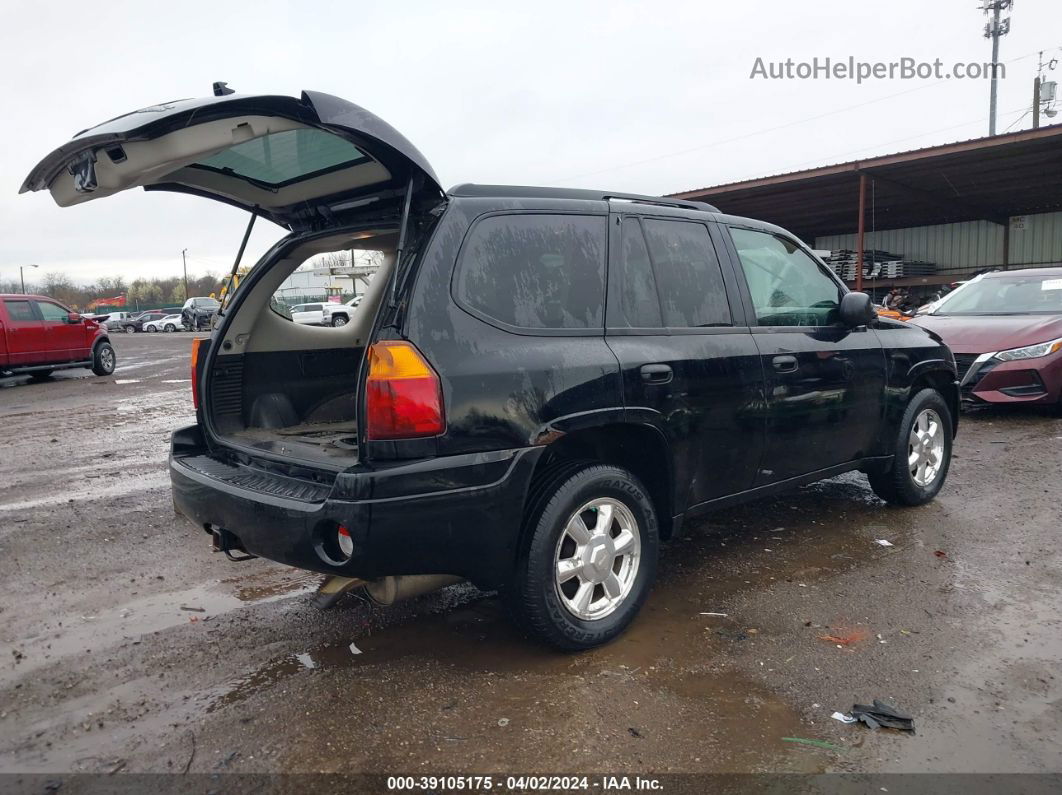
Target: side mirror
<point>857,309</point>
<point>73,317</point>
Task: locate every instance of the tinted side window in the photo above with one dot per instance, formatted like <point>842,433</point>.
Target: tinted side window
<point>51,313</point>
<point>688,276</point>
<point>536,271</point>
<point>788,287</point>
<point>20,311</point>
<point>639,303</point>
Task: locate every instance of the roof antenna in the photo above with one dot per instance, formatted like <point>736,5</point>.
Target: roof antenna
<point>222,89</point>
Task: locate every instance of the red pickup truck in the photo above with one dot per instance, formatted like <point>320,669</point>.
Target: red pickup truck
<point>39,335</point>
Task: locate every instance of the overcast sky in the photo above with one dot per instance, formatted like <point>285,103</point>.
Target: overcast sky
<point>630,96</point>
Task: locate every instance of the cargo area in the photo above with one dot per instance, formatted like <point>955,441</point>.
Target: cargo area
<point>290,389</point>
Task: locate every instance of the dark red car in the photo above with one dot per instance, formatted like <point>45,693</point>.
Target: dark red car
<point>39,335</point>
<point>1005,329</point>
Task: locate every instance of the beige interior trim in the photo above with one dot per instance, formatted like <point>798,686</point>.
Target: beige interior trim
<point>256,328</point>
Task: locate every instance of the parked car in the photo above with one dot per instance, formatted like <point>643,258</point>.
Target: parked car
<point>136,323</point>
<point>308,314</point>
<point>487,414</point>
<point>339,314</point>
<point>1005,328</point>
<point>114,320</point>
<point>164,323</point>
<point>198,313</point>
<point>38,335</point>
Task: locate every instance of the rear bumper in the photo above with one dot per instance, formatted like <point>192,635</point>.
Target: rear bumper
<point>456,515</point>
<point>1034,381</point>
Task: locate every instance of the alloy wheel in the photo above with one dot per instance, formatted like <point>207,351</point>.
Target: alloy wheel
<point>925,448</point>
<point>596,559</point>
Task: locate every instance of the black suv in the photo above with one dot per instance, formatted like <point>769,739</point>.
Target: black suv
<point>540,386</point>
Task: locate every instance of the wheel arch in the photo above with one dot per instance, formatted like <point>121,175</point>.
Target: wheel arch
<point>640,449</point>
<point>940,377</point>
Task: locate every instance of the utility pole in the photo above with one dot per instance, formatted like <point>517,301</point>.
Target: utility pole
<point>1044,91</point>
<point>184,259</point>
<point>994,30</point>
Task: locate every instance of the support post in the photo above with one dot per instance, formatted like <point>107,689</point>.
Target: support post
<point>862,231</point>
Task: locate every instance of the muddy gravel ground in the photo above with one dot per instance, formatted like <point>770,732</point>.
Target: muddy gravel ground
<point>126,645</point>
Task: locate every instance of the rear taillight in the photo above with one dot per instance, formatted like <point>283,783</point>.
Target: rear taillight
<point>403,396</point>
<point>195,371</point>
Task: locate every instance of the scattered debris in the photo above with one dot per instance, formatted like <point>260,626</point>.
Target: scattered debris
<point>881,542</point>
<point>882,714</point>
<point>503,722</point>
<point>843,718</point>
<point>940,553</point>
<point>354,649</point>
<point>193,609</point>
<point>634,732</point>
<point>815,743</point>
<point>846,637</point>
<point>721,615</point>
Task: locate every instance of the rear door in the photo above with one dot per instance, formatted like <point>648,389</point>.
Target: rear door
<point>27,341</point>
<point>689,364</point>
<point>825,381</point>
<point>67,341</point>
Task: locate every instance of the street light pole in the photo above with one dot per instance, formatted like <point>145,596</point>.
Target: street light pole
<point>184,259</point>
<point>22,277</point>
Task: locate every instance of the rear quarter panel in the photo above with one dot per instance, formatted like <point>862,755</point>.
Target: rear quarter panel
<point>503,390</point>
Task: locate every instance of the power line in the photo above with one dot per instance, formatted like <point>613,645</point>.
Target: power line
<point>766,130</point>
<point>837,158</point>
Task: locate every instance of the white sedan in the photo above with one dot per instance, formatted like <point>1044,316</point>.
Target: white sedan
<point>168,323</point>
<point>308,314</point>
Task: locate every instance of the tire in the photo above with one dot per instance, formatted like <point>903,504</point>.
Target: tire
<point>169,328</point>
<point>580,613</point>
<point>899,485</point>
<point>339,320</point>
<point>40,375</point>
<point>150,329</point>
<point>129,330</point>
<point>103,359</point>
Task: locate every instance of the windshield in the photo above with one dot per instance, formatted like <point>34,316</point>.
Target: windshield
<point>1006,295</point>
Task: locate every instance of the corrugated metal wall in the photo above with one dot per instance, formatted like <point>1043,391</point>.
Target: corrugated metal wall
<point>1039,242</point>
<point>966,246</point>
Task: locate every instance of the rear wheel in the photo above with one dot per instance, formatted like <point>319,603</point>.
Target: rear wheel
<point>922,453</point>
<point>589,558</point>
<point>151,329</point>
<point>170,327</point>
<point>103,359</point>
<point>129,329</point>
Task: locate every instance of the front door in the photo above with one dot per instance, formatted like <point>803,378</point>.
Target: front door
<point>26,337</point>
<point>65,340</point>
<point>825,381</point>
<point>689,362</point>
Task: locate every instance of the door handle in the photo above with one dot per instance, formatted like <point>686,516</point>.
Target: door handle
<point>656,374</point>
<point>785,364</point>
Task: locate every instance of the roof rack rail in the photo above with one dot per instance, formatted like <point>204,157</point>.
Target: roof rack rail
<point>638,198</point>
<point>534,192</point>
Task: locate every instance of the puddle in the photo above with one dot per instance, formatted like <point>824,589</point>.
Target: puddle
<point>94,491</point>
<point>670,648</point>
<point>268,584</point>
<point>76,635</point>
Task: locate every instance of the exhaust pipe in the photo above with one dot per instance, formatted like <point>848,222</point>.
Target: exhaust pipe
<point>388,590</point>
